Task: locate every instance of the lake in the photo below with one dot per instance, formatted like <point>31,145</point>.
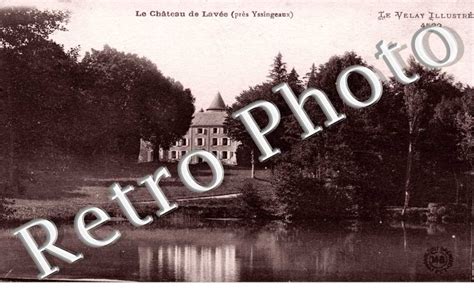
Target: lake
<point>221,250</point>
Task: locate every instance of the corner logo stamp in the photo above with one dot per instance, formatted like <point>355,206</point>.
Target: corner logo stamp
<point>438,259</point>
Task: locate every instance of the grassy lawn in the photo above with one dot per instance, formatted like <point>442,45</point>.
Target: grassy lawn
<point>59,189</point>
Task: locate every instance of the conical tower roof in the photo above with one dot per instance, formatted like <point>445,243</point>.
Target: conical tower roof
<point>217,104</point>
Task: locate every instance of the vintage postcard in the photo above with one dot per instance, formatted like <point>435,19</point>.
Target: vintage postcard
<point>236,141</point>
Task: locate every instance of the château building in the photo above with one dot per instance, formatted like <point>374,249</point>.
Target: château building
<point>207,132</point>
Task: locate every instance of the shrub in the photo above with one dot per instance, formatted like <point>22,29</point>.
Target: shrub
<point>6,209</point>
<point>259,203</point>
<point>309,198</point>
<point>450,212</point>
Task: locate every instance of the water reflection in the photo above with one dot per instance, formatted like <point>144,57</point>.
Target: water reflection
<point>219,251</point>
<point>189,263</point>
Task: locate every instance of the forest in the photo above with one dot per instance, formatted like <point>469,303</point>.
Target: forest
<point>412,149</point>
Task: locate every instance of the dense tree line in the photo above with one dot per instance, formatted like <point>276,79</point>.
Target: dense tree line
<point>414,146</point>
<point>53,101</point>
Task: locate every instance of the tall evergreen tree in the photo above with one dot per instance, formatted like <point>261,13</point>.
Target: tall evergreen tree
<point>278,72</point>
<point>310,77</point>
<point>294,81</point>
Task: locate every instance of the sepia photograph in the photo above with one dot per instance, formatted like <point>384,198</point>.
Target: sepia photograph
<point>236,141</point>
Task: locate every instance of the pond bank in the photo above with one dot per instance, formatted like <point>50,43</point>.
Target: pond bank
<point>231,206</point>
<point>433,213</point>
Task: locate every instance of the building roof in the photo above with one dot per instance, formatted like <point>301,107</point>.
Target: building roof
<point>217,104</point>
<point>209,118</point>
<point>214,115</point>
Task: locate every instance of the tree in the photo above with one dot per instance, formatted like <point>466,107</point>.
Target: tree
<point>415,103</point>
<point>55,105</point>
<point>278,72</point>
<point>328,165</point>
<point>277,75</point>
<point>423,140</point>
<point>465,125</point>
<point>235,128</point>
<point>128,98</point>
<point>453,124</point>
<point>294,81</point>
<point>310,77</point>
<point>35,89</point>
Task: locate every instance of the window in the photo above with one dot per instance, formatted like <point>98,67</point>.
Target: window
<point>185,142</point>
<point>173,154</point>
<point>214,141</point>
<point>225,155</point>
<point>215,153</point>
<point>215,130</point>
<point>200,142</point>
<point>201,131</point>
<point>225,141</point>
<point>177,143</point>
<point>225,130</point>
<point>183,152</point>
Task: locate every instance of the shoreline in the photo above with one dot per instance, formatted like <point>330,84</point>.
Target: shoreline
<point>224,206</point>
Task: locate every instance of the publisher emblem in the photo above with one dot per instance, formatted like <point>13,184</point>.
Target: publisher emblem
<point>438,259</point>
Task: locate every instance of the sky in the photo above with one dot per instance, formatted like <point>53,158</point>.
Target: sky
<point>228,55</point>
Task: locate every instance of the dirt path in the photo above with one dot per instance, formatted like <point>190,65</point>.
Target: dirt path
<point>185,199</point>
